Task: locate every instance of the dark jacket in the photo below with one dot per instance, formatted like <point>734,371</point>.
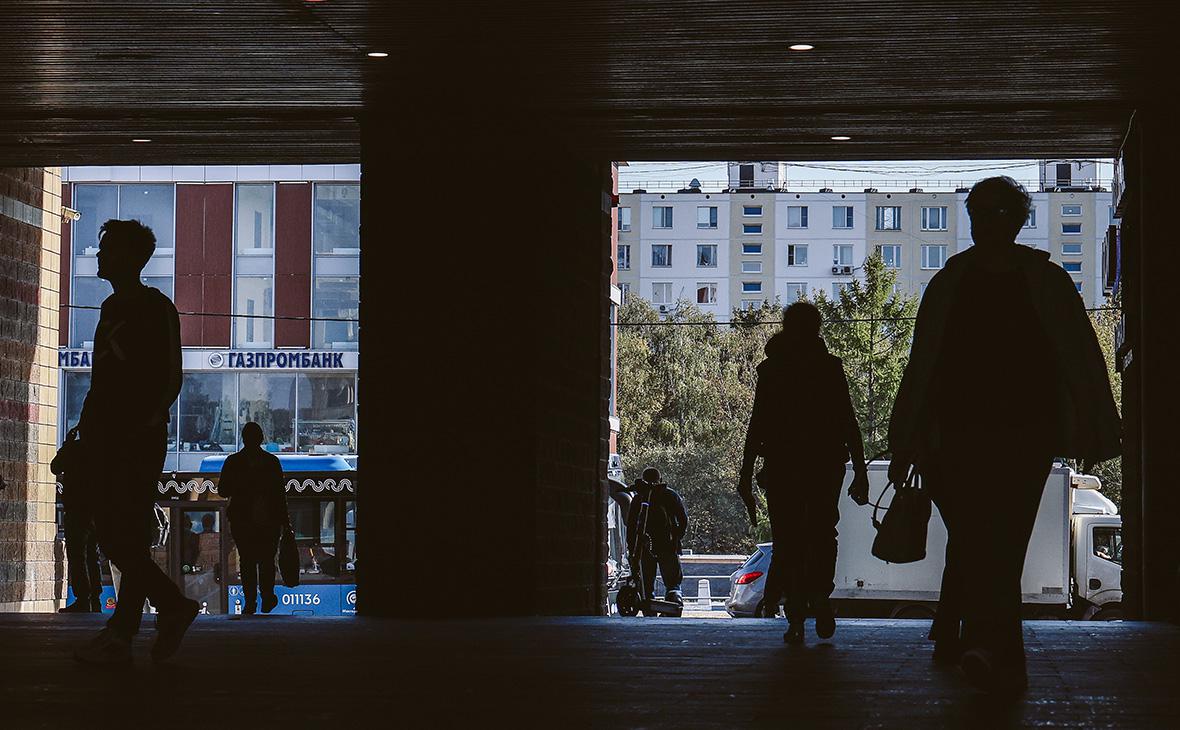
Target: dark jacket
<point>1090,427</point>
<point>659,496</point>
<point>802,411</point>
<point>253,481</point>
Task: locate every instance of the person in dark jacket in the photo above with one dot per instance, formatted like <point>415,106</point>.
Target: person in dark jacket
<point>85,571</point>
<point>995,387</point>
<point>253,481</point>
<point>667,522</point>
<point>134,380</point>
<point>804,428</point>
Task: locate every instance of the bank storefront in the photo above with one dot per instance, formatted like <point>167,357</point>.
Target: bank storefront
<point>306,403</point>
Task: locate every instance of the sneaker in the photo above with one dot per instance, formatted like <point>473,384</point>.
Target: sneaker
<point>78,606</point>
<point>170,628</point>
<point>269,603</point>
<point>108,648</point>
<point>825,620</point>
<point>794,633</point>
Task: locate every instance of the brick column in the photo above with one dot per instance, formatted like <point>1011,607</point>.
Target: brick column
<point>31,562</point>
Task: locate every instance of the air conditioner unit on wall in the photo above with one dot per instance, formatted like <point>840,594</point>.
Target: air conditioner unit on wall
<point>835,269</point>
<point>847,269</point>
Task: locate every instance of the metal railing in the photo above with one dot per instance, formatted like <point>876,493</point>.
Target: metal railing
<point>811,186</point>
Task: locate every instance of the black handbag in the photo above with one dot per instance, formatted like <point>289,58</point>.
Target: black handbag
<point>901,534</point>
<point>288,557</point>
<point>69,457</point>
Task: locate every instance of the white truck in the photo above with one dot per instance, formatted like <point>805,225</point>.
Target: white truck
<point>1073,568</point>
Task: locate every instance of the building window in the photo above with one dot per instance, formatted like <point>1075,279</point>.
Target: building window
<point>152,205</point>
<point>624,256</point>
<point>707,216</point>
<point>336,298</point>
<point>208,412</point>
<point>841,216</point>
<point>255,222</point>
<point>796,216</point>
<point>707,293</point>
<point>624,292</point>
<point>838,289</point>
<point>97,204</point>
<point>268,399</point>
<point>1078,285</point>
<point>797,254</point>
<point>751,267</point>
<point>90,291</point>
<point>706,255</point>
<point>890,255</point>
<point>748,304</point>
<point>752,211</point>
<point>751,248</point>
<point>1071,210</point>
<point>1031,221</point>
<point>255,299</point>
<point>327,414</point>
<point>795,291</point>
<point>751,287</point>
<point>934,219</point>
<point>933,256</point>
<point>661,292</point>
<point>624,219</point>
<point>1073,267</point>
<point>1071,229</point>
<point>77,383</point>
<point>888,218</point>
<point>922,288</point>
<point>337,219</point>
<point>751,228</point>
<point>661,254</point>
<point>1071,249</point>
<point>661,216</point>
<point>842,254</point>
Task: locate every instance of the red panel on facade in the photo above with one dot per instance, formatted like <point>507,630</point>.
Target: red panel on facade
<point>67,257</point>
<point>190,260</point>
<point>293,264</point>
<point>219,260</point>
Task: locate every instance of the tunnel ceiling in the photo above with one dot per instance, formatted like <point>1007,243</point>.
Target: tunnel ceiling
<point>287,80</point>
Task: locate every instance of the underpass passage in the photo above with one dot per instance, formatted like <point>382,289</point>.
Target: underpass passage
<point>582,672</point>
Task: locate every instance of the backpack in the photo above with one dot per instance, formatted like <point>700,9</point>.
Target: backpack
<point>659,519</point>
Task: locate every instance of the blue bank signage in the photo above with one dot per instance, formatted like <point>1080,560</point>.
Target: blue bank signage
<point>325,599</point>
<point>196,360</point>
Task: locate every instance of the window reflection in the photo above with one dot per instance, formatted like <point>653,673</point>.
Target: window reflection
<point>337,218</point>
<point>97,204</point>
<point>153,206</point>
<point>336,297</point>
<point>77,383</point>
<point>208,412</point>
<point>255,218</point>
<point>269,400</point>
<point>327,414</point>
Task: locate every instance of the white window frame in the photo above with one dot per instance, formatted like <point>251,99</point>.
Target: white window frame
<point>802,285</point>
<point>838,289</point>
<point>1067,264</point>
<point>1064,252</point>
<point>748,304</point>
<point>751,291</point>
<point>1078,232</point>
<point>625,219</point>
<point>667,284</point>
<point>793,250</point>
<point>1071,205</point>
<point>751,253</point>
<point>747,270</point>
<point>654,265</point>
<point>896,248</point>
<point>880,217</point>
<point>941,215</point>
<point>712,287</point>
<point>746,214</point>
<point>837,249</point>
<point>926,249</point>
<point>801,215</point>
<point>623,254</point>
<point>715,256</point>
<point>751,233</point>
<point>1031,220</point>
<point>848,218</point>
<point>671,220</point>
<point>710,223</point>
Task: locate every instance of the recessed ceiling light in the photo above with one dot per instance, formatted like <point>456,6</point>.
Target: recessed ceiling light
<point>377,54</point>
<point>801,47</point>
<point>841,138</point>
<point>140,139</point>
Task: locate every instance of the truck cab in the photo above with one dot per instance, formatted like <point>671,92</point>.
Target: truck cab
<point>1097,550</point>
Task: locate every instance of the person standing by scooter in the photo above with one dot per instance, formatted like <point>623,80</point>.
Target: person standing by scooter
<point>667,522</point>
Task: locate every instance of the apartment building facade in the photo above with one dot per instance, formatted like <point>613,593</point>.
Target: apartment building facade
<point>760,239</point>
<point>263,263</point>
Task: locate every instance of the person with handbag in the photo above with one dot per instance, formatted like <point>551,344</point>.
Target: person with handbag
<point>134,380</point>
<point>252,479</point>
<point>804,461</point>
<point>995,387</point>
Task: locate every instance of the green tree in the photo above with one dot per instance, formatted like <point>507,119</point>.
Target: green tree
<point>870,327</point>
<point>1106,322</point>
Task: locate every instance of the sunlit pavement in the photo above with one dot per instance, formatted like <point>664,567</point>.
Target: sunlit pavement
<point>292,672</point>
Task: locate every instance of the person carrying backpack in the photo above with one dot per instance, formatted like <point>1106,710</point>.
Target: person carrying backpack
<point>667,521</point>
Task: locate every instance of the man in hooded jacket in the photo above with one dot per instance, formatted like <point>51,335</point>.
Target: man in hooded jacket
<point>804,428</point>
<point>1005,373</point>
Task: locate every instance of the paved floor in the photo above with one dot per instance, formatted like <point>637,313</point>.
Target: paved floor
<point>294,672</point>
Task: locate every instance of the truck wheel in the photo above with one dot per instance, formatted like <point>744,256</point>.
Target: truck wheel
<point>1114,613</point>
<point>912,610</point>
<point>628,601</point>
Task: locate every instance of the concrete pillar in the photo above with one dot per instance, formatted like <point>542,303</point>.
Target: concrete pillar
<point>31,561</point>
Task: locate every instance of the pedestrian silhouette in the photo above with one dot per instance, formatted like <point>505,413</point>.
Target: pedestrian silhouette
<point>252,479</point>
<point>667,522</point>
<point>804,428</point>
<point>1005,373</point>
<point>85,570</point>
<point>134,380</point>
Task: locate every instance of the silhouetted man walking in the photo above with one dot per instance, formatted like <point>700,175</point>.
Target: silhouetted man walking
<point>253,480</point>
<point>667,523</point>
<point>804,428</point>
<point>134,380</point>
<point>1005,373</point>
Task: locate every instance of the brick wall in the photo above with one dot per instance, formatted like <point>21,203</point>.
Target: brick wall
<point>31,561</point>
